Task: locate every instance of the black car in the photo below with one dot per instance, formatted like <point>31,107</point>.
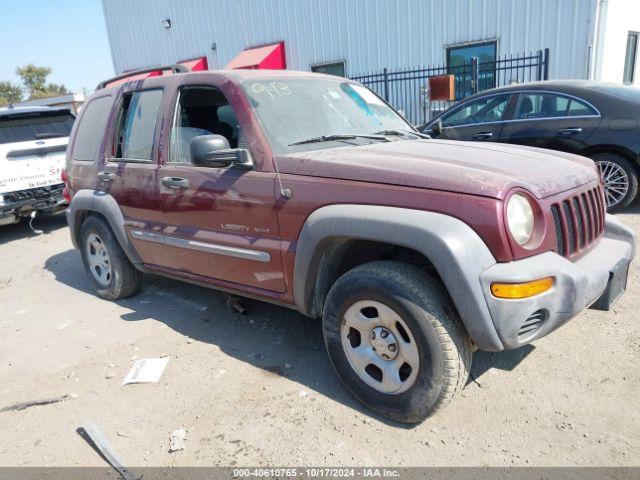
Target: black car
<point>594,119</point>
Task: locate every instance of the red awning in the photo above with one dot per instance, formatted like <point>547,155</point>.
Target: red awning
<point>196,64</point>
<point>267,56</point>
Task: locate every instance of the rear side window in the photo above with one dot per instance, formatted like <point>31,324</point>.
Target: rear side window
<point>137,124</point>
<point>26,127</point>
<point>547,105</point>
<point>533,105</point>
<point>91,129</point>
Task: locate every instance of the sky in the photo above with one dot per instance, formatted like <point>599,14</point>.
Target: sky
<point>67,35</point>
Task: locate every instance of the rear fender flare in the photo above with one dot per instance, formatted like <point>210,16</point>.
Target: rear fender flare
<point>87,201</point>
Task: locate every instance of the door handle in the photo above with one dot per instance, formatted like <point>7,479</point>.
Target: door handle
<point>570,131</point>
<point>175,183</point>
<point>482,136</point>
<point>106,176</point>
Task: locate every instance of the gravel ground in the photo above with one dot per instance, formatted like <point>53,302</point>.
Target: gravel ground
<point>258,389</point>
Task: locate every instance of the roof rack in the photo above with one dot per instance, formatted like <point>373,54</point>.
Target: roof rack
<point>177,68</point>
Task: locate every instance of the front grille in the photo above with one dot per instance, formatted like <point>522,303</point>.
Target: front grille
<point>533,323</point>
<point>579,221</point>
<point>33,193</point>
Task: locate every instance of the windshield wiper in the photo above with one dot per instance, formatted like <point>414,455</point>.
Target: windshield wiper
<point>402,133</point>
<point>331,138</point>
<point>49,135</point>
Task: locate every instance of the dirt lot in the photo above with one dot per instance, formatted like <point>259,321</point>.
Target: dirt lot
<point>258,389</point>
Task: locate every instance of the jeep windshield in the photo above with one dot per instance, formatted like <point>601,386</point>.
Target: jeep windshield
<point>313,113</point>
<point>26,126</point>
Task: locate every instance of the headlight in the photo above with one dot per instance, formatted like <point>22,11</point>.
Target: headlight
<point>520,218</point>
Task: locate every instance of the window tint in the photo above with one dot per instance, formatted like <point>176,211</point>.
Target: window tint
<point>91,129</point>
<point>137,125</point>
<point>485,110</point>
<point>202,111</point>
<point>578,108</point>
<point>541,105</point>
<point>35,126</point>
<point>547,105</point>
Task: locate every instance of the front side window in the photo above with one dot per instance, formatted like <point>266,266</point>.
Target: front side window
<point>28,126</point>
<point>137,124</point>
<point>630,58</point>
<point>548,105</point>
<point>294,110</point>
<point>202,111</point>
<point>485,110</point>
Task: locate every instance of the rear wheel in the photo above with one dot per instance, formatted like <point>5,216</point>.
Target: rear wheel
<point>620,180</point>
<point>109,269</point>
<point>395,340</point>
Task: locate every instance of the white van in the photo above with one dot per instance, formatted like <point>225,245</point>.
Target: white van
<point>33,141</point>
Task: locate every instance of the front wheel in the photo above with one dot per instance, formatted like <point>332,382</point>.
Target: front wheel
<point>620,180</point>
<point>395,340</point>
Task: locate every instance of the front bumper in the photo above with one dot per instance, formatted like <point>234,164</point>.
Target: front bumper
<point>577,286</point>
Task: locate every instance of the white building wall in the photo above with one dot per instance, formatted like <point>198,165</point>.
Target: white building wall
<point>619,18</point>
<point>368,34</point>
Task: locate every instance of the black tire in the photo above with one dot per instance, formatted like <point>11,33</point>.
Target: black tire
<point>632,175</point>
<point>443,344</point>
<point>125,279</point>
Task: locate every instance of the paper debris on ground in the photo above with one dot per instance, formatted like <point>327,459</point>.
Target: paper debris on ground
<point>146,370</point>
<point>176,441</point>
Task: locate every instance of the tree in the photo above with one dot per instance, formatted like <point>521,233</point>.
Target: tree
<point>9,93</point>
<point>50,90</point>
<point>34,79</point>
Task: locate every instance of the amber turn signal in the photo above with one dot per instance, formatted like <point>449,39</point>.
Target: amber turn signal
<point>521,290</point>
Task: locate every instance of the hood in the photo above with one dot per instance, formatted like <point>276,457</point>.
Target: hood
<point>485,169</point>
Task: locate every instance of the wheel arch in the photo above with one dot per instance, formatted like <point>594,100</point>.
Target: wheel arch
<point>613,149</point>
<point>92,202</point>
<point>445,244</point>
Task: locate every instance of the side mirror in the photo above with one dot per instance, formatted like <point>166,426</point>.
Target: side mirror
<point>214,151</point>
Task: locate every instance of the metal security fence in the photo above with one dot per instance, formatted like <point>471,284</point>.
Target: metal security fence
<point>407,91</point>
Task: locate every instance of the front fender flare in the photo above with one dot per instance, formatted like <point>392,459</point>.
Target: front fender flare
<point>456,251</point>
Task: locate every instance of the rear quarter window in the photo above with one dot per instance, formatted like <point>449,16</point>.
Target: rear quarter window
<point>91,129</point>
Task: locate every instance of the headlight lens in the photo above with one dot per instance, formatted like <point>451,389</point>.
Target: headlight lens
<point>520,218</point>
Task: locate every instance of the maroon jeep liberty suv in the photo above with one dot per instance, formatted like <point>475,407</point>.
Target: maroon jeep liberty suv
<point>311,192</point>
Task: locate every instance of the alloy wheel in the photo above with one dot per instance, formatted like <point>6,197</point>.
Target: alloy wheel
<point>616,182</point>
<point>380,347</point>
